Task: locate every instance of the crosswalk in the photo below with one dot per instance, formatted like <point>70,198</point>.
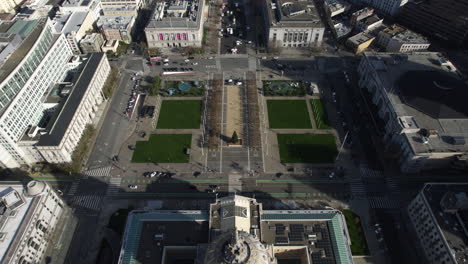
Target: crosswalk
<point>383,203</point>
<point>369,173</point>
<point>99,172</point>
<point>91,202</point>
<point>73,188</point>
<point>113,186</point>
<point>358,189</point>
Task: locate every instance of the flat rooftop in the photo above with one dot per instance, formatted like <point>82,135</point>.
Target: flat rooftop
<point>293,13</point>
<point>76,3</point>
<point>409,36</point>
<point>452,227</point>
<point>66,110</point>
<point>360,38</point>
<point>12,226</point>
<point>74,22</point>
<point>114,22</point>
<point>177,14</point>
<point>417,85</point>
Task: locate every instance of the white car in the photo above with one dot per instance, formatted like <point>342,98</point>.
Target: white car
<point>166,60</point>
<point>166,64</point>
<point>195,63</point>
<point>132,187</point>
<point>186,60</point>
<point>239,83</point>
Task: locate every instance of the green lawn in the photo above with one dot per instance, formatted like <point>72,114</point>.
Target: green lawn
<point>180,114</point>
<point>358,239</point>
<point>320,114</point>
<point>288,114</point>
<point>163,148</point>
<point>307,148</point>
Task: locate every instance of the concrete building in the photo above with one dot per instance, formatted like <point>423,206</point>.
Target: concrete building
<point>236,229</point>
<point>292,24</point>
<point>387,7</point>
<point>122,3</point>
<point>360,42</point>
<point>71,6</point>
<point>120,11</point>
<point>91,43</point>
<point>439,218</point>
<point>369,23</point>
<point>400,39</point>
<point>31,62</point>
<point>441,19</point>
<point>69,108</point>
<point>336,7</point>
<point>360,14</point>
<point>116,27</point>
<point>421,110</point>
<point>28,218</point>
<point>176,24</point>
<point>74,26</point>
<point>110,45</point>
<point>7,6</point>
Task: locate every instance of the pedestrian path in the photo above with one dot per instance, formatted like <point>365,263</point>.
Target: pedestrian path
<point>73,188</point>
<point>99,172</point>
<point>235,184</point>
<point>113,186</point>
<point>383,202</point>
<point>369,173</point>
<point>91,202</point>
<point>358,189</point>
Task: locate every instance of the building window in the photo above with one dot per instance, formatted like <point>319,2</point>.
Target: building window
<point>274,36</point>
<point>285,37</point>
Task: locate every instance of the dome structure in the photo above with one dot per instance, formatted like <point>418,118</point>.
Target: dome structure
<point>34,188</point>
<point>237,247</point>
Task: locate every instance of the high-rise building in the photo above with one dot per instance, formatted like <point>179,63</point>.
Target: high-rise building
<point>387,7</point>
<point>439,218</point>
<point>442,19</point>
<point>7,6</point>
<point>32,60</point>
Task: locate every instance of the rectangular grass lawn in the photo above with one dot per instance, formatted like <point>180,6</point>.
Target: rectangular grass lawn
<point>288,114</point>
<point>163,148</point>
<point>307,148</point>
<point>179,114</point>
<point>320,114</point>
<point>358,239</point>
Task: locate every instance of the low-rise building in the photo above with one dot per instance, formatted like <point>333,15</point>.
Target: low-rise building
<point>360,42</point>
<point>369,23</point>
<point>91,43</point>
<point>400,39</point>
<point>122,3</point>
<point>120,11</point>
<point>439,218</point>
<point>7,6</point>
<point>74,26</point>
<point>336,7</point>
<point>69,107</point>
<point>361,14</point>
<point>236,229</point>
<point>110,45</point>
<point>176,24</point>
<point>116,27</point>
<point>29,216</point>
<point>421,110</point>
<point>292,24</point>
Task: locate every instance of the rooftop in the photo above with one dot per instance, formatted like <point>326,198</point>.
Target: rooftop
<point>293,13</point>
<point>76,3</point>
<point>335,5</point>
<point>177,14</point>
<point>70,22</point>
<point>371,20</point>
<point>453,223</point>
<point>114,22</point>
<point>409,36</point>
<point>360,38</point>
<point>63,116</point>
<point>426,87</point>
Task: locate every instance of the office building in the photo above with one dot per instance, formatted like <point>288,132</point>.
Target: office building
<point>292,24</point>
<point>360,14</point>
<point>74,26</point>
<point>176,24</point>
<point>439,218</point>
<point>336,7</point>
<point>445,20</point>
<point>92,6</point>
<point>29,216</point>
<point>120,11</point>
<point>236,229</point>
<point>385,7</point>
<point>122,3</point>
<point>118,28</point>
<point>399,39</point>
<point>360,42</point>
<point>422,113</point>
<point>7,6</point>
<point>70,106</point>
<point>32,61</point>
<point>369,23</point>
<point>91,43</point>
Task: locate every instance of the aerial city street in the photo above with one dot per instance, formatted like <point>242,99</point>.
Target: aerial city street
<point>233,131</point>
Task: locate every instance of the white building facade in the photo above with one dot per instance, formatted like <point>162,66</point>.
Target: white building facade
<point>174,25</point>
<point>7,6</point>
<point>43,58</point>
<point>32,212</point>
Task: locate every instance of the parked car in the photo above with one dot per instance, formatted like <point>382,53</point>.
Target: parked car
<point>132,186</point>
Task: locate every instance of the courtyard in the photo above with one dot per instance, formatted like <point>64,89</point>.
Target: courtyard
<point>163,148</point>
<point>288,114</point>
<point>307,148</point>
<point>180,114</point>
<point>183,88</point>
